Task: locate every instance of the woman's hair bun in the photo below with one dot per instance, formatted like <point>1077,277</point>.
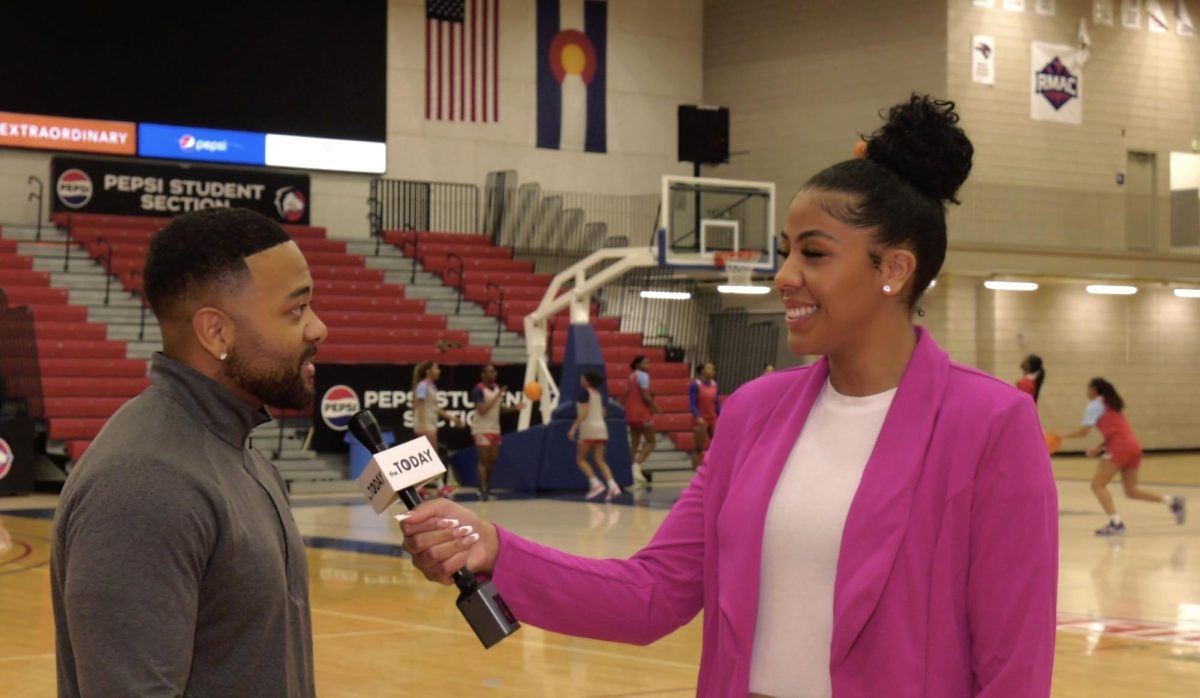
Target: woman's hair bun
<point>922,143</point>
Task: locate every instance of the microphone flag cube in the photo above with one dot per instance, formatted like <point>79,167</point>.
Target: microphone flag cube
<point>410,464</point>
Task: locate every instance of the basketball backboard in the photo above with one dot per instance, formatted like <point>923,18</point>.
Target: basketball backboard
<point>703,218</point>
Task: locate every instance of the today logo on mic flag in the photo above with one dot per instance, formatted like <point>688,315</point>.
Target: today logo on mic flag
<point>572,75</point>
<point>410,464</point>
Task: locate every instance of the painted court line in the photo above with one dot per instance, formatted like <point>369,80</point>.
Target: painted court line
<point>523,640</point>
<point>1187,634</point>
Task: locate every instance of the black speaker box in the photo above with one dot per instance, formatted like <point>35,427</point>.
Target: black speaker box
<point>703,134</point>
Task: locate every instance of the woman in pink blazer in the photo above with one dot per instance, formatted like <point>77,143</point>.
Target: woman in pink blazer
<point>942,559</point>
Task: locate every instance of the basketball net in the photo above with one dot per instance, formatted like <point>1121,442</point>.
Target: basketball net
<point>739,266</point>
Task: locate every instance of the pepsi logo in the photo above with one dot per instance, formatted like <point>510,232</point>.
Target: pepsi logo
<point>187,141</point>
<point>290,204</point>
<point>6,458</point>
<point>338,405</point>
<point>74,188</point>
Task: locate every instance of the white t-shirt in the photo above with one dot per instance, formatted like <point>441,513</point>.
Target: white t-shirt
<point>802,540</point>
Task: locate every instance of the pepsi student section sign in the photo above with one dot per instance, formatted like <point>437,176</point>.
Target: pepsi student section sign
<point>387,390</point>
<point>139,188</point>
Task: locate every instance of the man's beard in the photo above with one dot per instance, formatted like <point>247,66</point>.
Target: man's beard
<point>283,387</point>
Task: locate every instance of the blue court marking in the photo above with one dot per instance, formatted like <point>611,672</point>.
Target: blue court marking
<point>355,546</point>
<point>29,513</point>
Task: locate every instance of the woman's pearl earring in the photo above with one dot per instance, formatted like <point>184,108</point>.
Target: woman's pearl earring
<point>887,288</point>
<point>223,356</point>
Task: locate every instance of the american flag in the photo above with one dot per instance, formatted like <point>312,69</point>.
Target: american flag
<point>462,60</point>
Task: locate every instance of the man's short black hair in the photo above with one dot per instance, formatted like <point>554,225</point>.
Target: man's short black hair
<point>200,248</point>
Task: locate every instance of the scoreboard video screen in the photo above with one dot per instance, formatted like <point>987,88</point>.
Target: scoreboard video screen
<point>280,84</point>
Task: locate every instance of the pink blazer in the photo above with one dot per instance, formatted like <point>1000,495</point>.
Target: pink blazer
<point>947,574</point>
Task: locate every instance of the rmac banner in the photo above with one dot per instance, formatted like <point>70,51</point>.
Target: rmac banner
<point>136,188</point>
<point>1057,83</point>
<point>386,390</point>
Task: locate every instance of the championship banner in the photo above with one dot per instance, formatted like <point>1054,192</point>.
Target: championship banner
<point>387,390</point>
<point>139,188</point>
<point>1056,87</point>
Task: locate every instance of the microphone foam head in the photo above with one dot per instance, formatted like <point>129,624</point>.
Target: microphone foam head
<point>366,429</point>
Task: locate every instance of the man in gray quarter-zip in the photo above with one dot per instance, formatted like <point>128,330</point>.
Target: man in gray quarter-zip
<point>176,565</point>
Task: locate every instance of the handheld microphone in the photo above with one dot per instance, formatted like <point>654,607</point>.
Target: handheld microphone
<point>394,473</point>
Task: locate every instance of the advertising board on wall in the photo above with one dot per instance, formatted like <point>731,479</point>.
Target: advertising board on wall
<point>140,188</point>
<point>387,390</point>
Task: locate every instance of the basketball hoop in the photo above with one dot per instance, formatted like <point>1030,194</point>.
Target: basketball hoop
<point>739,266</point>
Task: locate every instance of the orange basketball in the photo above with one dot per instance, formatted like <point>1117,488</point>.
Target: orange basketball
<point>1053,441</point>
<point>533,391</point>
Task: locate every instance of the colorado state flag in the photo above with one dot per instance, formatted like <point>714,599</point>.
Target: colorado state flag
<point>572,77</point>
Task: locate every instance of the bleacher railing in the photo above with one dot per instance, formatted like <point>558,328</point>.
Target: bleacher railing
<point>443,207</point>
<point>20,371</point>
<point>499,302</point>
<point>499,196</point>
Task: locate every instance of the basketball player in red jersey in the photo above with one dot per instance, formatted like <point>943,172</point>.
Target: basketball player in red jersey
<point>705,402</point>
<point>1120,451</point>
<point>1032,376</point>
<point>639,411</point>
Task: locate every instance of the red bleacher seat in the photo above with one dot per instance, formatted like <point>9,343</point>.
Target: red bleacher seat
<point>399,237</point>
<point>389,335</point>
<point>370,353</point>
<point>659,369</point>
<point>683,440</point>
<point>333,259</point>
<point>506,279</point>
<point>674,422</point>
<point>92,368</point>
<point>77,386</point>
<point>302,232</point>
<point>12,261</point>
<point>313,244</point>
<point>519,309</point>
<point>117,237</point>
<point>441,249</point>
<point>614,354</point>
<point>325,273</point>
<point>606,339</point>
<point>481,294</point>
<point>25,278</point>
<point>670,404</point>
<point>76,447</point>
<point>81,331</point>
<point>57,313</point>
<point>447,265</point>
<point>663,388</point>
<point>367,319</point>
<point>367,304</point>
<point>76,427</point>
<point>350,288</point>
<point>79,349</point>
<point>31,295</point>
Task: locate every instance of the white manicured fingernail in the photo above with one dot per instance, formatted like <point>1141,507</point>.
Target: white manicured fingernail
<point>448,523</point>
<point>471,539</point>
<point>465,530</point>
<point>401,518</point>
